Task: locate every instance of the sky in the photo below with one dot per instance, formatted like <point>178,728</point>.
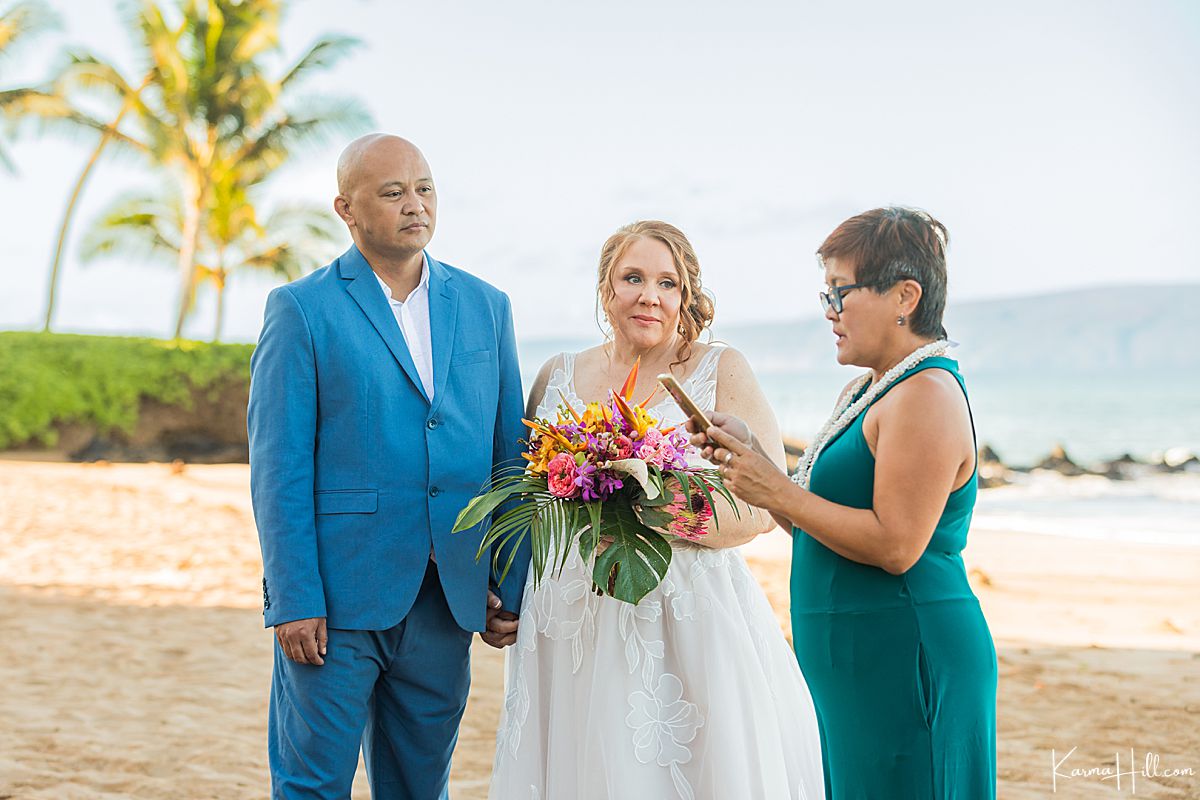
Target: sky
<point>1057,141</point>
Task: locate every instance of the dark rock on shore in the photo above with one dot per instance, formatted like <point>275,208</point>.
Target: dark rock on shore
<point>987,455</point>
<point>1179,459</point>
<point>992,471</point>
<point>1127,467</point>
<point>1191,465</point>
<point>1121,469</point>
<point>1058,461</point>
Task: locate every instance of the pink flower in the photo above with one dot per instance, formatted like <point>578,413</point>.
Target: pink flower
<point>624,447</point>
<point>691,514</point>
<point>652,455</point>
<point>656,449</point>
<point>561,478</point>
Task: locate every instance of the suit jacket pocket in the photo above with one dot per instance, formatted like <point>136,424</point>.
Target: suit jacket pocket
<point>346,501</point>
<point>473,357</point>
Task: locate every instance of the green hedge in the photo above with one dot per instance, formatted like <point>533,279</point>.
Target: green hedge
<point>49,378</point>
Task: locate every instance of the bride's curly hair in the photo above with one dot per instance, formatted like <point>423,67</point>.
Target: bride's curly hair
<point>696,308</point>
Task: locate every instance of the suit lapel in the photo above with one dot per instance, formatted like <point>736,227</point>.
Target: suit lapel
<point>443,317</point>
<point>363,286</point>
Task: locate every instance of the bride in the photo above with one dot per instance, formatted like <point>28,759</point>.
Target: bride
<point>693,692</point>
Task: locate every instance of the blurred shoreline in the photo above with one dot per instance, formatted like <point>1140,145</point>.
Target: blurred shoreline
<point>1120,500</point>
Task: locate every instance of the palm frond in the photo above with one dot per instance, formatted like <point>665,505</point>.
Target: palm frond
<point>204,106</point>
<point>315,221</point>
<point>161,43</point>
<point>46,111</point>
<point>143,226</point>
<point>321,55</point>
<point>22,21</point>
<point>256,28</point>
<point>314,123</point>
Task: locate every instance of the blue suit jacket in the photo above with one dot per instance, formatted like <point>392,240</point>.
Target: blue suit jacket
<point>354,474</point>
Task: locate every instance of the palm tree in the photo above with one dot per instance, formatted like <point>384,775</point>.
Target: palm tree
<point>49,104</point>
<point>17,24</point>
<point>203,106</point>
<point>295,238</point>
<point>292,240</point>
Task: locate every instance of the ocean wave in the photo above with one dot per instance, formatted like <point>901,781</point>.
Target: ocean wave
<point>1157,509</point>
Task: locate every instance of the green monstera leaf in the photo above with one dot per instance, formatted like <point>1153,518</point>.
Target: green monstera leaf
<point>631,523</point>
<point>636,561</point>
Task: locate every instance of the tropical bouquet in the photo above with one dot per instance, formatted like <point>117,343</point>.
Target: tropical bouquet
<point>611,475</point>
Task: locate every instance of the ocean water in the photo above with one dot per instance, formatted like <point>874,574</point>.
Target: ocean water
<point>1022,415</point>
<point>1095,417</point>
<point>1157,509</point>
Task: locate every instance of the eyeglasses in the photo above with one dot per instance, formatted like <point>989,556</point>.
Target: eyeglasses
<point>832,300</point>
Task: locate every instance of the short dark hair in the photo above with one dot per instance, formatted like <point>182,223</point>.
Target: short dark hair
<point>889,245</point>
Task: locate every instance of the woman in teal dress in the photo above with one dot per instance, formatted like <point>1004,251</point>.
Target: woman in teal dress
<point>889,636</point>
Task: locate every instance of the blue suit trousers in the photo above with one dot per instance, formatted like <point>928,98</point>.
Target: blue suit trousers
<point>400,691</point>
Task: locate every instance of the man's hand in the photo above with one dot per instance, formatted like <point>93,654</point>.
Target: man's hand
<point>501,625</point>
<point>303,640</point>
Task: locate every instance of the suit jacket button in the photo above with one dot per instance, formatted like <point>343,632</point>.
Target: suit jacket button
<point>434,491</point>
<point>432,424</point>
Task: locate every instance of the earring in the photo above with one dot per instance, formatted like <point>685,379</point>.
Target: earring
<point>900,320</point>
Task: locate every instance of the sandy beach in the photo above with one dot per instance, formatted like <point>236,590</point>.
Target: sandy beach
<point>136,664</point>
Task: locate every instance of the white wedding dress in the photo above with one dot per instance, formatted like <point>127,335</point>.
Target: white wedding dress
<point>693,693</point>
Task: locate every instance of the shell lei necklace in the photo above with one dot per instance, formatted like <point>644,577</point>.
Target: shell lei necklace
<point>846,411</point>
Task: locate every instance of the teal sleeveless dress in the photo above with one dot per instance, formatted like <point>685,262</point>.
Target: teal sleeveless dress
<point>902,668</point>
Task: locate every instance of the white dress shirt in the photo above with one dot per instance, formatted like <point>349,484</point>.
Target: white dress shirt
<point>412,315</point>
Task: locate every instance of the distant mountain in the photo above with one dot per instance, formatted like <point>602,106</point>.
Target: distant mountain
<point>1120,328</point>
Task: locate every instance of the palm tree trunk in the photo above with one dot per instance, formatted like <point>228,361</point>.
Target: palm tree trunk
<point>65,227</point>
<point>69,214</point>
<point>221,275</point>
<point>195,200</point>
<point>187,258</point>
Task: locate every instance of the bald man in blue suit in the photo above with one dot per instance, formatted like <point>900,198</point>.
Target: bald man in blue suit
<point>384,390</point>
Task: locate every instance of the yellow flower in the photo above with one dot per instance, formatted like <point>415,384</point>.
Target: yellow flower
<point>539,459</point>
<point>635,416</point>
<point>593,418</point>
<point>642,421</point>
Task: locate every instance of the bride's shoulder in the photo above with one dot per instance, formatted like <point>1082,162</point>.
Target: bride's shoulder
<point>702,357</point>
<point>729,362</point>
<point>734,374</point>
<point>591,358</point>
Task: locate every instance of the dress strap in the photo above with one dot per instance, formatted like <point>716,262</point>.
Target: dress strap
<point>561,384</point>
<point>702,383</point>
<point>569,369</point>
<point>563,374</point>
<point>934,362</point>
<point>951,366</point>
